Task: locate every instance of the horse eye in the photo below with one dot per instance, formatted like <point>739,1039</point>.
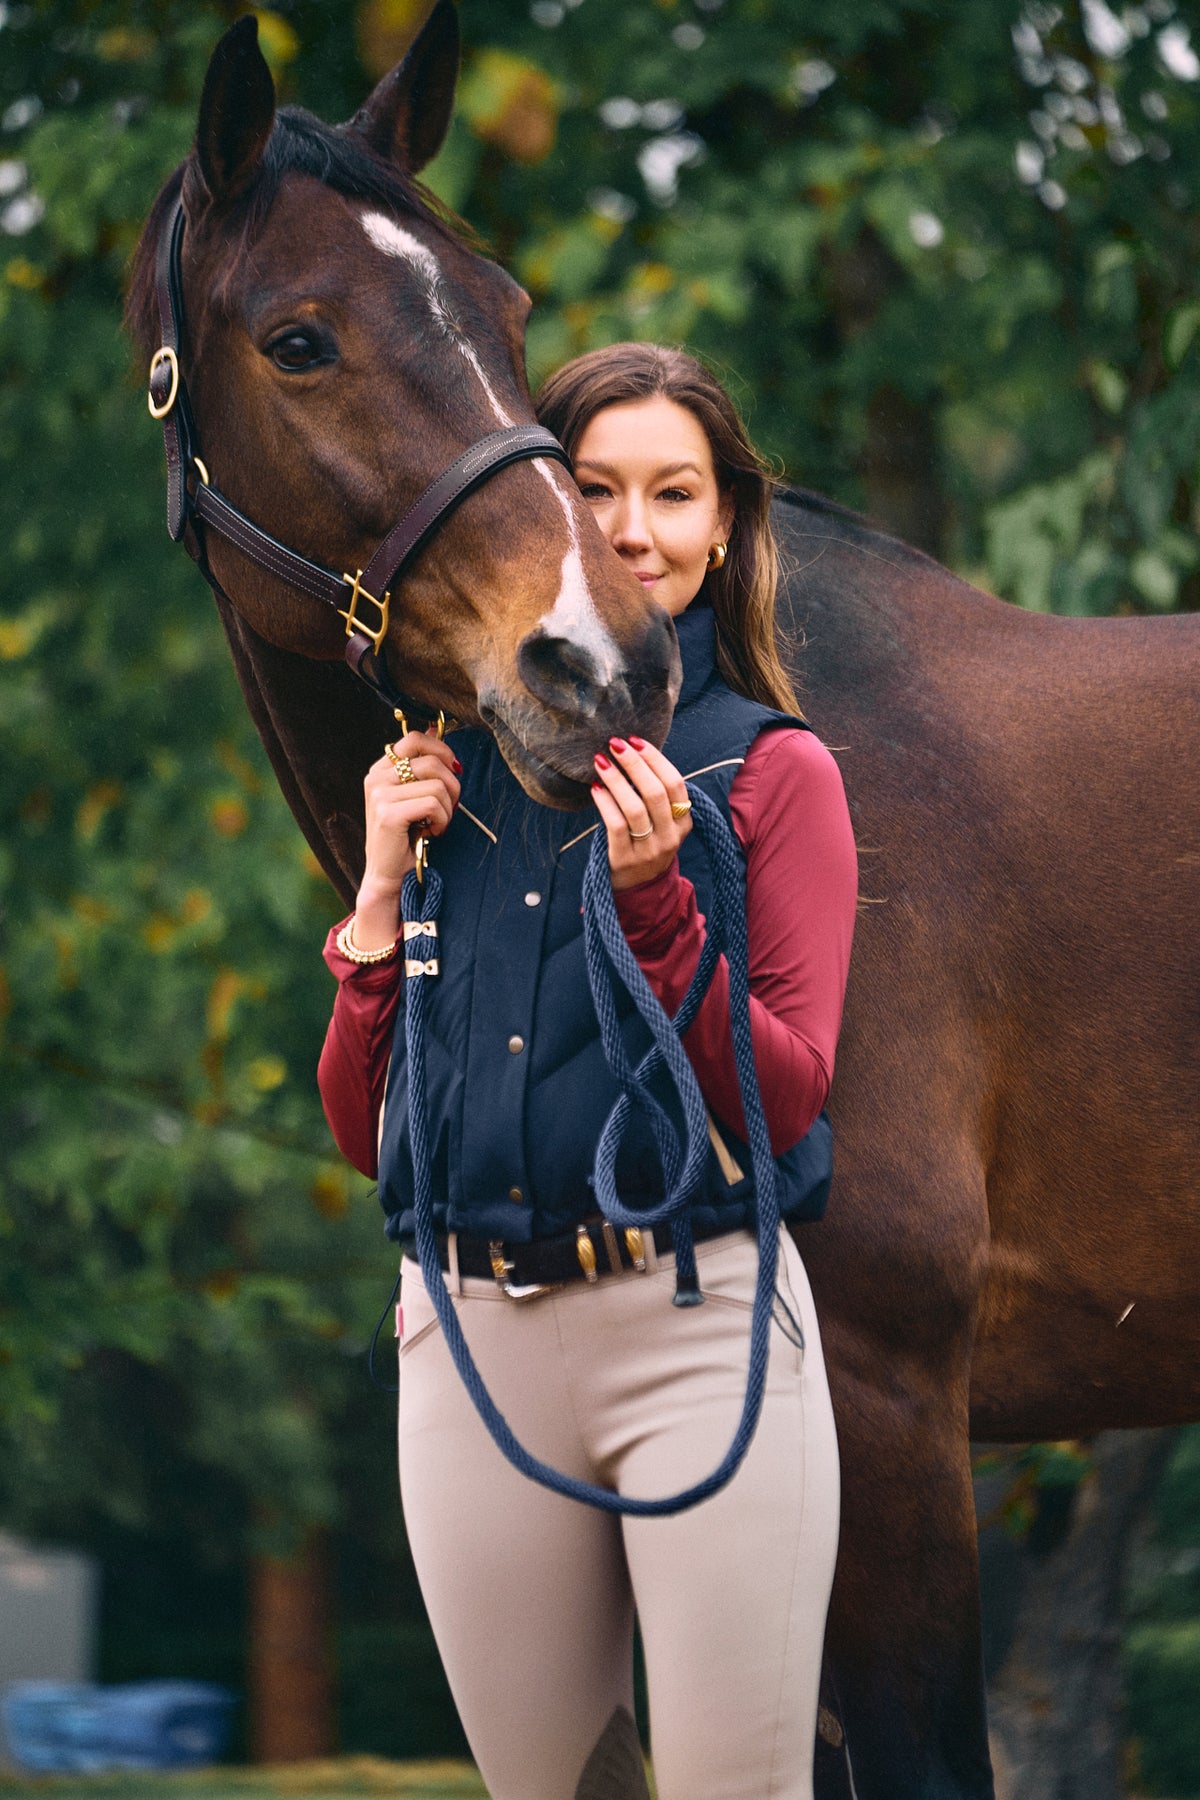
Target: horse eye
<point>294,350</point>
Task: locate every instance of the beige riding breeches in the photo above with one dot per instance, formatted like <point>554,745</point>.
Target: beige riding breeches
<point>532,1597</point>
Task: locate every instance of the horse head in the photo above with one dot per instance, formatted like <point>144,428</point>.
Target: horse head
<point>343,343</point>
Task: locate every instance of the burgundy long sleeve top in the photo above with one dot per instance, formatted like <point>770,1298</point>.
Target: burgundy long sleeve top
<point>789,811</point>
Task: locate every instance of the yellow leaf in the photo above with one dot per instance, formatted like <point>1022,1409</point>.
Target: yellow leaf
<point>124,43</point>
<point>16,639</point>
<point>92,911</point>
<point>196,906</point>
<point>384,30</point>
<point>232,759</point>
<point>276,38</point>
<point>227,986</point>
<point>266,1073</point>
<point>159,933</point>
<point>21,273</point>
<point>100,797</point>
<point>330,1192</point>
<point>228,816</point>
<point>508,101</point>
<point>653,278</point>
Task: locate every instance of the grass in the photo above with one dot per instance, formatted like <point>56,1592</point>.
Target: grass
<point>346,1778</point>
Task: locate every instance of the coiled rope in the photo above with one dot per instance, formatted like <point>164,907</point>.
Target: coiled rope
<point>609,958</point>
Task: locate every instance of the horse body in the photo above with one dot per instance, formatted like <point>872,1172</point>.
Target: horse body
<point>1026,790</point>
<point>1012,1247</point>
<point>1015,1098</point>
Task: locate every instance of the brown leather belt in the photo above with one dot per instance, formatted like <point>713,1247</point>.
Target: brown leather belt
<point>593,1249</point>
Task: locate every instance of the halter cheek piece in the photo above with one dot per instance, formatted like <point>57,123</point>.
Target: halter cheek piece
<point>363,599</point>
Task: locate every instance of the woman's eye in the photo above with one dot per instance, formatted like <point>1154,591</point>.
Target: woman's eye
<point>294,350</point>
<point>674,494</point>
<point>594,490</point>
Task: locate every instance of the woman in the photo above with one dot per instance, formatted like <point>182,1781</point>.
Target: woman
<point>532,1596</point>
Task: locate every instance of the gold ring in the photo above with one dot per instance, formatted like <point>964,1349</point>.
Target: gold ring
<point>680,809</point>
<point>642,834</point>
<point>401,764</point>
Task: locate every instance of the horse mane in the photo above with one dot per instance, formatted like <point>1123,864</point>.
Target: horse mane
<point>856,527</point>
<point>299,144</point>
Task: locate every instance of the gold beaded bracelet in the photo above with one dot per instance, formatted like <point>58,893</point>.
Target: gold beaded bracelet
<point>350,950</point>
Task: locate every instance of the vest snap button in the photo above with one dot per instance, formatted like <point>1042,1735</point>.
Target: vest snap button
<point>533,898</point>
<point>516,1196</point>
<point>516,1044</point>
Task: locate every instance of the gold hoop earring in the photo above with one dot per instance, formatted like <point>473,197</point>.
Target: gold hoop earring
<point>716,556</point>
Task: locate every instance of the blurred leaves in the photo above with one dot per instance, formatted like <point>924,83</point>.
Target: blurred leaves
<point>161,920</point>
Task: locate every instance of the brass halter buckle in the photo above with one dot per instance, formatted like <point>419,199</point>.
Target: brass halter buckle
<point>353,622</point>
<point>421,848</point>
<point>164,358</point>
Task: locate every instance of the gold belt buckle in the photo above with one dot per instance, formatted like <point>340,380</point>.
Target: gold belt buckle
<point>502,1269</point>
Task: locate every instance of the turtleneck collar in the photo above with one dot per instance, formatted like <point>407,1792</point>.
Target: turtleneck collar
<point>696,630</point>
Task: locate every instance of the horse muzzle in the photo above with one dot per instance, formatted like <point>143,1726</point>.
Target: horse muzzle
<point>572,701</point>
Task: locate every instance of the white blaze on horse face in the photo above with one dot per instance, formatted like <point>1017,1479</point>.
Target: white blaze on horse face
<point>573,615</point>
<point>393,240</point>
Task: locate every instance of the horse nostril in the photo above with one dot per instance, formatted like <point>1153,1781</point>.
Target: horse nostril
<point>559,673</point>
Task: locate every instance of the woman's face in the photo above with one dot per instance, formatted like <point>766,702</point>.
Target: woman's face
<point>646,470</point>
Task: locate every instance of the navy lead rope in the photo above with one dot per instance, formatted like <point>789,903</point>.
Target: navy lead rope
<point>608,954</point>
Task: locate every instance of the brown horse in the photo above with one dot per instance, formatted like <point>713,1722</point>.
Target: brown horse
<point>343,345</point>
<point>1013,1245</point>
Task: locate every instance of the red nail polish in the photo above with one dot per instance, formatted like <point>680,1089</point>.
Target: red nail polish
<point>617,744</point>
<point>597,787</point>
<point>456,766</point>
<point>638,743</point>
<point>601,762</point>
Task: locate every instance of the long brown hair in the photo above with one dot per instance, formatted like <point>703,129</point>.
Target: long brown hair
<point>742,591</point>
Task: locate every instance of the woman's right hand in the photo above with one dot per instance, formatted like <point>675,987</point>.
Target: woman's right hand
<point>398,812</point>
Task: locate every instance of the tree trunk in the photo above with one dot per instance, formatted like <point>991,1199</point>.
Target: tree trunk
<point>291,1662</point>
<point>899,464</point>
<point>1056,1700</point>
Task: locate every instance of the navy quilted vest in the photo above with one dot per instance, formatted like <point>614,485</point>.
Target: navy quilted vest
<point>518,1085</point>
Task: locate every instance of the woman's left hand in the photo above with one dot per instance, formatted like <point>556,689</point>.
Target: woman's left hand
<point>634,790</point>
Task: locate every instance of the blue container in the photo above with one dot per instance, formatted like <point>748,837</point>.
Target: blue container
<point>56,1727</point>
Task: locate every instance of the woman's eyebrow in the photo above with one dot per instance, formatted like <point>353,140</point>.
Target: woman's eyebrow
<point>603,468</point>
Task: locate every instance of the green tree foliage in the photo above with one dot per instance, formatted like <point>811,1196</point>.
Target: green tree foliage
<point>943,246</point>
<point>170,1201</point>
<point>946,253</point>
<point>1162,1646</point>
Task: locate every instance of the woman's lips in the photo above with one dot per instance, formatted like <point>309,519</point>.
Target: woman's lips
<point>646,578</point>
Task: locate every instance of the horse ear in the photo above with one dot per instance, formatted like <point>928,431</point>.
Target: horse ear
<point>237,111</point>
<point>407,116</point>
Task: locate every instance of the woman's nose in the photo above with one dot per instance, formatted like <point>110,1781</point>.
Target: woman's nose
<point>631,528</point>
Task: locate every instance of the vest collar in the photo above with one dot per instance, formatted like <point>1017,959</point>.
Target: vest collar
<point>696,630</point>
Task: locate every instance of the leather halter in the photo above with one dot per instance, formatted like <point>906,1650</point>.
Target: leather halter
<point>191,496</point>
